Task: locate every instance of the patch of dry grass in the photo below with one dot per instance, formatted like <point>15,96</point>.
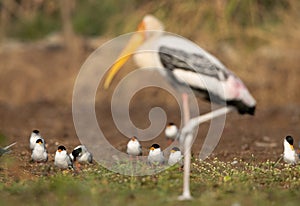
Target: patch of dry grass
<point>213,182</point>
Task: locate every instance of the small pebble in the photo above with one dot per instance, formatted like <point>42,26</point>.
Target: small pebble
<point>234,162</point>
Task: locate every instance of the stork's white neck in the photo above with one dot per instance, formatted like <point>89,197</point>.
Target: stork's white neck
<point>146,55</point>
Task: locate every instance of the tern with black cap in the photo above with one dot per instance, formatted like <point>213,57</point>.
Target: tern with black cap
<point>175,156</point>
<point>156,155</point>
<point>62,159</point>
<point>39,152</point>
<point>171,133</point>
<point>134,147</point>
<point>289,154</point>
<point>34,136</point>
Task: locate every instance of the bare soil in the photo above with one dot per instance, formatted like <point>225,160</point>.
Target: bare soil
<point>36,93</point>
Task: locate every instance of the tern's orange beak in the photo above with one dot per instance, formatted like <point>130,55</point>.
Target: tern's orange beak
<point>59,150</point>
<point>152,148</point>
<point>292,147</point>
<point>136,40</point>
<point>172,151</point>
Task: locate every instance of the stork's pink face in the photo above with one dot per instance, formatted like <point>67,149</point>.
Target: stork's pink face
<point>235,89</point>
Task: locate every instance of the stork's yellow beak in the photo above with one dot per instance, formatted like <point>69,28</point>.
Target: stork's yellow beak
<point>136,40</point>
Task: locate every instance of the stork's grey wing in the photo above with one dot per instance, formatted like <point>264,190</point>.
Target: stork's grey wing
<point>90,158</point>
<point>201,62</point>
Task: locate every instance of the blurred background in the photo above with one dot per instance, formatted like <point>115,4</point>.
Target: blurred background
<point>43,44</point>
<point>258,37</point>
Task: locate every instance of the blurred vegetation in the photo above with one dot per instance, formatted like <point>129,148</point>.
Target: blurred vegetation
<point>2,139</point>
<point>88,18</point>
<point>33,19</point>
<point>29,20</point>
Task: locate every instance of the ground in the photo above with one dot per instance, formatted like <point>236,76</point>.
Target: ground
<point>36,93</point>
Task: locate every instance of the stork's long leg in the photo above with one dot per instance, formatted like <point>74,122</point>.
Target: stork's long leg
<point>186,108</point>
<point>187,134</point>
<point>186,195</point>
<point>187,143</point>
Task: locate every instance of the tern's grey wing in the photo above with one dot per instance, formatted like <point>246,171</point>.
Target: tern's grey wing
<point>6,149</point>
<point>2,151</point>
<point>90,158</point>
<point>9,146</point>
<point>141,150</point>
<point>70,162</point>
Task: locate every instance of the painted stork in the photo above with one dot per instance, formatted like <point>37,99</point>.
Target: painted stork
<point>184,64</point>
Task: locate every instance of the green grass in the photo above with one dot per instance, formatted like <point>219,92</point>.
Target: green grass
<point>213,182</point>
